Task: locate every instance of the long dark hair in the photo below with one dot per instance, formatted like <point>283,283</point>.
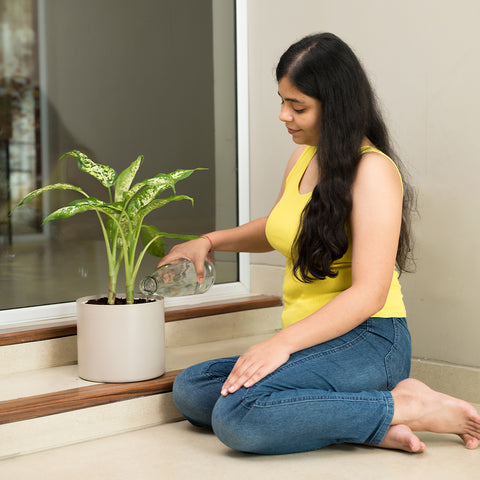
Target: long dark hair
<point>324,67</point>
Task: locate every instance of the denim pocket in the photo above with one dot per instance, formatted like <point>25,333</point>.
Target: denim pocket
<point>398,359</point>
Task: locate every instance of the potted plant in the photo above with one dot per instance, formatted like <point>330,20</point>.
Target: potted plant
<point>121,339</point>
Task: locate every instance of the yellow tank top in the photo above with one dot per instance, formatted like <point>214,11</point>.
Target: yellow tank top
<point>302,299</point>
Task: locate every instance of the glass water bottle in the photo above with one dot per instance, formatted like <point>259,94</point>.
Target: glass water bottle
<point>177,279</point>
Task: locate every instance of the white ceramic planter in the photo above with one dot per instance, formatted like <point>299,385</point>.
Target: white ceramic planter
<point>120,343</point>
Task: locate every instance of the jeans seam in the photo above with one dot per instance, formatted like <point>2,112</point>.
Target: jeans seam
<point>389,354</point>
<point>309,399</point>
<point>399,325</point>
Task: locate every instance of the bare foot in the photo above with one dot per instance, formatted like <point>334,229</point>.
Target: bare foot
<point>401,437</point>
<point>423,409</point>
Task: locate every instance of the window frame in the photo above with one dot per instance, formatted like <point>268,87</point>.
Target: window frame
<point>58,311</point>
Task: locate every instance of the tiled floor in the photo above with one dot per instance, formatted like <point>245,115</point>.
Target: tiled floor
<point>178,451</point>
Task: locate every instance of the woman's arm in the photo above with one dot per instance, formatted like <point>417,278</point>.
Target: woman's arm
<point>249,237</point>
<point>375,222</point>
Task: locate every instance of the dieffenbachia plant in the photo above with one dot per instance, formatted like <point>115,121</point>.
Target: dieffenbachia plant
<point>125,211</point>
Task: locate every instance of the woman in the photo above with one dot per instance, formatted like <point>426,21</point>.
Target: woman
<point>338,370</point>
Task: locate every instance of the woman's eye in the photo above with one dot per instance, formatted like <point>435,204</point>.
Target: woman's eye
<point>299,111</point>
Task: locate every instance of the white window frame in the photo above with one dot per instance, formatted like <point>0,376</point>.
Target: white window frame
<point>241,288</point>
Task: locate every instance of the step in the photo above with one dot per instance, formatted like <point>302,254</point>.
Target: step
<point>50,406</point>
<point>54,344</point>
<point>53,407</point>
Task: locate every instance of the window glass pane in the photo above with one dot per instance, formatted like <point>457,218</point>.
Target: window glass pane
<point>113,79</point>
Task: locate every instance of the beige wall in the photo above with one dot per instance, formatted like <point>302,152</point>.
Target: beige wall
<point>424,60</point>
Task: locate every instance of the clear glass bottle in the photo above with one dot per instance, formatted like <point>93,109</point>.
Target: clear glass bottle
<point>177,279</point>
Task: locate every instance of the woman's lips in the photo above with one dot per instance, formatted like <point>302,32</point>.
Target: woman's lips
<point>291,131</point>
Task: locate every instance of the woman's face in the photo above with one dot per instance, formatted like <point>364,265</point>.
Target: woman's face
<point>300,113</point>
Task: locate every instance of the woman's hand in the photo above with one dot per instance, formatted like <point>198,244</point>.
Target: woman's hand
<point>256,363</point>
<point>194,250</point>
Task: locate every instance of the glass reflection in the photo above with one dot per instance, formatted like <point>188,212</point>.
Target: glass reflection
<point>114,79</point>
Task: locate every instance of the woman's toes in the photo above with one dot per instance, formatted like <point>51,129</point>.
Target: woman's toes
<point>401,437</point>
<point>470,442</point>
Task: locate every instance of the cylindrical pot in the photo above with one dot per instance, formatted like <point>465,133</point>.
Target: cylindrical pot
<point>120,343</point>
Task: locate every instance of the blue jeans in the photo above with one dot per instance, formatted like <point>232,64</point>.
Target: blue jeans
<point>335,392</point>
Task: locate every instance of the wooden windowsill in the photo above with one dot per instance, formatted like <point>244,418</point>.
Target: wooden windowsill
<point>35,333</point>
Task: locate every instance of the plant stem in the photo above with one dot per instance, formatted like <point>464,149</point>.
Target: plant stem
<point>112,267</point>
<point>111,290</point>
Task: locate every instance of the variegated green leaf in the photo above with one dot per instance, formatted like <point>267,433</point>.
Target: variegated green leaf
<point>158,184</point>
<point>39,191</point>
<point>162,181</point>
<point>157,247</point>
<point>147,190</point>
<point>112,226</point>
<point>178,175</point>
<point>154,231</point>
<point>83,205</point>
<point>179,236</point>
<point>124,180</point>
<point>103,173</point>
<point>159,203</point>
<point>152,187</point>
<point>128,195</point>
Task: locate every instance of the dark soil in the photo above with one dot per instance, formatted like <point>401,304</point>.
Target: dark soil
<point>118,301</point>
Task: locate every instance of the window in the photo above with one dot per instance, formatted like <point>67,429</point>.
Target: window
<point>114,79</point>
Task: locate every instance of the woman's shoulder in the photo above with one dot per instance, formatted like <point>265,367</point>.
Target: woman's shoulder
<point>377,167</point>
<point>292,163</point>
<point>296,154</point>
<point>300,152</point>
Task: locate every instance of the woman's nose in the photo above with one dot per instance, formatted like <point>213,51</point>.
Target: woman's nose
<point>285,115</point>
